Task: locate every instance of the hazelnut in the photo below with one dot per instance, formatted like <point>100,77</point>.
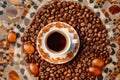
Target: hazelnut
<point>98,62</point>
<point>11,37</point>
<point>13,75</point>
<point>95,71</point>
<point>28,48</point>
<point>33,68</point>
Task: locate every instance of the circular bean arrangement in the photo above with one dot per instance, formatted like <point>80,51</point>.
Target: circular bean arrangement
<point>92,32</point>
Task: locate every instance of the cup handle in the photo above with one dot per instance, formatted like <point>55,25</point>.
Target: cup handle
<point>74,41</point>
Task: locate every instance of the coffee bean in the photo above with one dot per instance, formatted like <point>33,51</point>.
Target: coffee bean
<point>82,24</point>
<point>93,26</point>
<point>99,34</point>
<point>68,75</point>
<point>48,69</point>
<point>65,73</point>
<point>90,31</point>
<point>82,29</point>
<point>95,30</point>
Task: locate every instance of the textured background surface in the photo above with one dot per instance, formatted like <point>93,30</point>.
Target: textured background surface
<point>16,15</point>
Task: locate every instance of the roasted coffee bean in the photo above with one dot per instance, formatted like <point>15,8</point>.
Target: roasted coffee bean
<point>93,38</point>
<point>89,31</point>
<point>95,30</point>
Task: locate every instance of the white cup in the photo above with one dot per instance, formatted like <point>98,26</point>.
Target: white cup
<point>69,41</point>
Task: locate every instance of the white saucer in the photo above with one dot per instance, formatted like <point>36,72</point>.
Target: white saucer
<point>58,58</point>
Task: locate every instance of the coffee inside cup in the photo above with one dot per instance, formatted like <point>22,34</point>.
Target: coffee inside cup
<point>56,41</point>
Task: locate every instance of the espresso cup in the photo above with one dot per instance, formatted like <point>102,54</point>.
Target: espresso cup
<point>58,42</point>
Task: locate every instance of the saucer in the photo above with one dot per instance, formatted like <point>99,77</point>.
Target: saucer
<point>58,58</point>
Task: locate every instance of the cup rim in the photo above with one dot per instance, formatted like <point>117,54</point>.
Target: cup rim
<point>67,46</point>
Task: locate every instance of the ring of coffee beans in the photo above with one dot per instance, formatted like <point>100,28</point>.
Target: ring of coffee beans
<point>93,35</point>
